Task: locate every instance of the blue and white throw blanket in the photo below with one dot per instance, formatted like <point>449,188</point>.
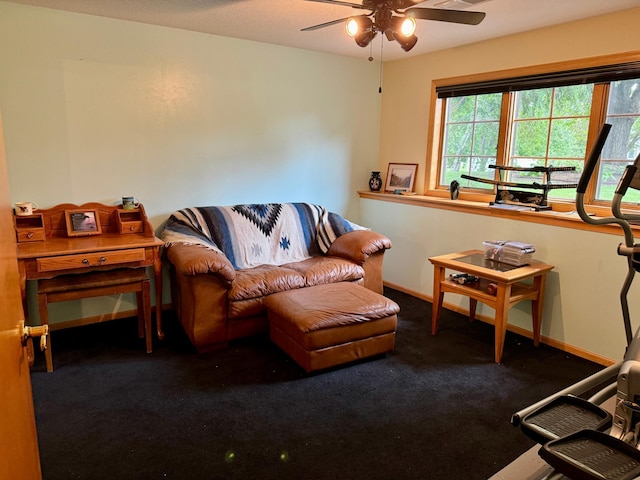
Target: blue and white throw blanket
<point>259,234</point>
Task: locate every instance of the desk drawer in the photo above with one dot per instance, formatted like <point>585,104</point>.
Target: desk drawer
<point>93,259</point>
<point>30,235</point>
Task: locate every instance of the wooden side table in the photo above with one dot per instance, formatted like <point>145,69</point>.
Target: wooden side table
<point>510,289</point>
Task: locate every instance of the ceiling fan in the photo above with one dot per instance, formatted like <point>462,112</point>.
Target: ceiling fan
<point>395,18</point>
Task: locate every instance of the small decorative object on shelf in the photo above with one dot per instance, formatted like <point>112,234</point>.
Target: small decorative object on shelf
<point>82,222</point>
<point>520,199</point>
<point>464,278</point>
<point>401,177</point>
<point>375,182</point>
<point>454,189</point>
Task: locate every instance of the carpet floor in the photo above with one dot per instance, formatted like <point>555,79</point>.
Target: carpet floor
<point>437,407</point>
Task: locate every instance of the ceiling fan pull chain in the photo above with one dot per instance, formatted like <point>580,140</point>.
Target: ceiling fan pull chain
<point>381,46</point>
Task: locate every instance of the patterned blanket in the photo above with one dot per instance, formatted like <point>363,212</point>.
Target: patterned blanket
<point>259,234</point>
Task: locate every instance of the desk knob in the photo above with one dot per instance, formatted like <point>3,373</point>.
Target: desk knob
<point>85,261</point>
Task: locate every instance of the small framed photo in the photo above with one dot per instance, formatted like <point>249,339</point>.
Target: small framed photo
<point>82,222</point>
<point>401,177</point>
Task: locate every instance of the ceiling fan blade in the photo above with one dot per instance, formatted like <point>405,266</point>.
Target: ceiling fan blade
<point>400,4</point>
<point>337,2</point>
<point>441,15</point>
<point>322,25</point>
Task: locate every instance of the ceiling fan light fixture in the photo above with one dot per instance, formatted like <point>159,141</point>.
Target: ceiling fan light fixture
<point>407,26</point>
<point>364,38</point>
<point>351,27</point>
<point>403,26</point>
<point>356,25</point>
<point>407,43</point>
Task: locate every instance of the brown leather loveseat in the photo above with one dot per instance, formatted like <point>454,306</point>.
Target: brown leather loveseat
<point>226,260</point>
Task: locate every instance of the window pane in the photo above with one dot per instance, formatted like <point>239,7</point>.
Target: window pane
<point>530,138</point>
<point>623,97</point>
<point>533,103</point>
<point>572,101</point>
<point>480,168</point>
<point>565,177</point>
<point>458,139</point>
<point>470,138</point>
<point>488,107</point>
<point>623,142</point>
<point>453,168</point>
<point>461,109</point>
<point>485,138</point>
<point>524,177</point>
<point>569,138</point>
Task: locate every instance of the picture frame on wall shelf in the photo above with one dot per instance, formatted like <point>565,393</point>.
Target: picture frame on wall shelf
<point>82,222</point>
<point>401,177</point>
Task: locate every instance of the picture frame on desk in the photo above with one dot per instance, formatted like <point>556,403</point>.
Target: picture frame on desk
<point>82,222</point>
<point>401,177</point>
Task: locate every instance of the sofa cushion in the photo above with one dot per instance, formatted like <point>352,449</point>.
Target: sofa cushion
<point>251,307</point>
<point>321,270</point>
<point>264,280</point>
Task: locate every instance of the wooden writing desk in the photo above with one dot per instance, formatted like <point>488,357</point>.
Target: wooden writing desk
<point>510,289</point>
<point>45,249</point>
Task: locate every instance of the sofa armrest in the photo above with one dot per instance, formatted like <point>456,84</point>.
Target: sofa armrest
<point>196,259</point>
<point>358,245</point>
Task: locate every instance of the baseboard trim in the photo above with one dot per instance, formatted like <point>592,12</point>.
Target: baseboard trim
<point>565,347</point>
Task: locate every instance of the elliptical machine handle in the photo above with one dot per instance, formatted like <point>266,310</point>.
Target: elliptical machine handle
<point>592,161</point>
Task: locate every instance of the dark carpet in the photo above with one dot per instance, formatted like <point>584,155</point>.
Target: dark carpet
<point>438,407</point>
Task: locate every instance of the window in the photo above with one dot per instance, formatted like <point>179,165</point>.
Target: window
<point>623,145</point>
<point>550,128</point>
<point>543,119</point>
<point>471,137</point>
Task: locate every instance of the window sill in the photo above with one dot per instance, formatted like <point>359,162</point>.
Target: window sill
<point>549,217</point>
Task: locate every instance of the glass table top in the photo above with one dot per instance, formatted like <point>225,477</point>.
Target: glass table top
<point>478,260</point>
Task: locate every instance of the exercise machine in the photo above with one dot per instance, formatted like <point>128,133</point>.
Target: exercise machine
<point>579,439</point>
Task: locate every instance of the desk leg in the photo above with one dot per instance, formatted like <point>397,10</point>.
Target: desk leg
<point>438,295</point>
<point>502,312</point>
<point>157,269</point>
<point>473,303</point>
<point>539,283</point>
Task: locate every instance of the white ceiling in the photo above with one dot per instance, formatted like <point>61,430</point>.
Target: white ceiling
<point>280,21</point>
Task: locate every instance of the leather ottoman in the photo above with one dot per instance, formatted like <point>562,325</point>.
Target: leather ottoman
<point>328,325</point>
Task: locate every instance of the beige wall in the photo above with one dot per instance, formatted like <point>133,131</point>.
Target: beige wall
<point>583,308</point>
<point>97,108</point>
